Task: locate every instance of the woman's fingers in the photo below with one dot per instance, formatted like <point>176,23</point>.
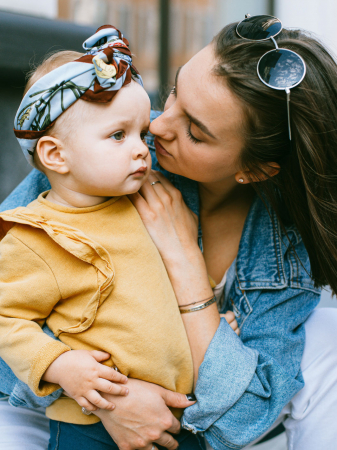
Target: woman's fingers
<point>96,399</point>
<point>231,320</point>
<point>111,388</point>
<point>167,441</point>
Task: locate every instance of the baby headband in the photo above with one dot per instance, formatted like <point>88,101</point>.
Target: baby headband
<point>96,77</point>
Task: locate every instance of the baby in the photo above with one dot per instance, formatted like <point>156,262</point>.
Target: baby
<point>79,257</point>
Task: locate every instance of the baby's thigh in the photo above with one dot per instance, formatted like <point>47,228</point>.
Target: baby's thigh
<point>22,428</point>
<point>65,436</point>
<point>189,441</point>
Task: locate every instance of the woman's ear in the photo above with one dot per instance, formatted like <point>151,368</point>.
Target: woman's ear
<point>268,170</point>
<point>51,152</point>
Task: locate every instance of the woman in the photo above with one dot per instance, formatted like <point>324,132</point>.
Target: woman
<point>228,132</point>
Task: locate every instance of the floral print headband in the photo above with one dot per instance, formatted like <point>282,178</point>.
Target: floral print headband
<point>96,77</point>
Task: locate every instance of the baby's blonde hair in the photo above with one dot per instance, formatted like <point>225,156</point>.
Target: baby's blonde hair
<point>51,62</point>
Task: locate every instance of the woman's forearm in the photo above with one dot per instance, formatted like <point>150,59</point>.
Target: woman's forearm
<point>190,282</point>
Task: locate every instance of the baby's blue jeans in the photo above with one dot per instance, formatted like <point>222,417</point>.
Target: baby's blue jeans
<point>66,436</point>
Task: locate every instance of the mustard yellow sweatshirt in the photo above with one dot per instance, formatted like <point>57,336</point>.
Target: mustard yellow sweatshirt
<point>97,279</point>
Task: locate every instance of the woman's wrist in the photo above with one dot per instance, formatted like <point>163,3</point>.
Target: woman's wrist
<point>189,279</point>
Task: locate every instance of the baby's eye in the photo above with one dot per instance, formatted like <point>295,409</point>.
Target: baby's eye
<point>143,135</point>
<point>118,136</point>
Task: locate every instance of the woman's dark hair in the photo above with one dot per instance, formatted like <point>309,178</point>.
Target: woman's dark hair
<point>305,190</point>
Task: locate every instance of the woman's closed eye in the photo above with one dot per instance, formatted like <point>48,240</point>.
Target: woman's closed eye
<point>191,137</point>
<point>118,136</point>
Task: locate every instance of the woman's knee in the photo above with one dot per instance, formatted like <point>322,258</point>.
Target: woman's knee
<point>321,336</point>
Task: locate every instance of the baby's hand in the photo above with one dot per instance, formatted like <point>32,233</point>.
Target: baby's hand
<point>81,375</point>
<point>230,318</point>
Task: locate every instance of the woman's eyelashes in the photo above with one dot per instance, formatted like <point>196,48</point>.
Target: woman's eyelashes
<point>173,91</point>
<point>191,137</point>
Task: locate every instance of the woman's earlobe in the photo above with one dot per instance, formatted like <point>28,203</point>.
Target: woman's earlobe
<point>50,152</point>
<point>267,171</point>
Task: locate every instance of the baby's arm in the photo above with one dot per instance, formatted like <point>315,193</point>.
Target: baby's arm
<point>81,374</point>
<point>28,294</point>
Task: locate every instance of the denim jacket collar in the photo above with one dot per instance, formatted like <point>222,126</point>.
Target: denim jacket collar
<point>260,259</point>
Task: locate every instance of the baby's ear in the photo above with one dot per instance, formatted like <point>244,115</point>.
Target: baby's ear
<point>50,152</point>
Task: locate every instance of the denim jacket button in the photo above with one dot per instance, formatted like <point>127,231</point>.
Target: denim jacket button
<point>235,309</point>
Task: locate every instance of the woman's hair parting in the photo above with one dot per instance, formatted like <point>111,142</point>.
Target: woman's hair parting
<point>304,192</point>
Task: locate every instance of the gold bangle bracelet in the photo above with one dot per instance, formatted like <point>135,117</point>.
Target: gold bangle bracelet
<point>199,307</point>
<point>198,301</point>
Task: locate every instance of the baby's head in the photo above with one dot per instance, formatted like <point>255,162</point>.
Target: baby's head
<point>96,145</point>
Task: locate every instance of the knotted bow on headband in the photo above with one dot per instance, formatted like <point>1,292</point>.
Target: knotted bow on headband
<point>96,77</point>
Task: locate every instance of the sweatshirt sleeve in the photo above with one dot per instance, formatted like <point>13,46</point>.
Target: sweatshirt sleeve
<point>28,293</point>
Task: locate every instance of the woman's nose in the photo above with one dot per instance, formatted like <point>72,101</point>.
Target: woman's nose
<point>163,126</point>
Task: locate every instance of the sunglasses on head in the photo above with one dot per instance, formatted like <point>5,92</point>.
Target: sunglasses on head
<point>280,68</point>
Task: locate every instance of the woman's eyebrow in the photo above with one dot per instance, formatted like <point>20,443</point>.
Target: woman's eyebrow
<point>199,124</point>
<point>194,120</point>
<point>176,78</point>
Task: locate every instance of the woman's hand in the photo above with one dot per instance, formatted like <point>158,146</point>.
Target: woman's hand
<point>143,417</point>
<point>174,229</point>
<point>231,320</point>
<point>170,223</point>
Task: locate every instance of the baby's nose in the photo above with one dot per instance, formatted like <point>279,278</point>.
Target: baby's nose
<point>141,151</point>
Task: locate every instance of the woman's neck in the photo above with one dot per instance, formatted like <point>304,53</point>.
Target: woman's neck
<point>218,196</point>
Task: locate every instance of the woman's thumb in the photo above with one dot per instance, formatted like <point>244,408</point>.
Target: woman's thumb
<point>176,400</point>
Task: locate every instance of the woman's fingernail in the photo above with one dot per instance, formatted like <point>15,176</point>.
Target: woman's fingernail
<point>191,397</point>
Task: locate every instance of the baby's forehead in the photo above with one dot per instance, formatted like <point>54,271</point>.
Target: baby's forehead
<point>130,102</point>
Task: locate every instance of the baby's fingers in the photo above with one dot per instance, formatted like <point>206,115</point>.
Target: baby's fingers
<point>97,400</point>
<point>84,403</point>
<point>111,374</point>
<point>111,388</point>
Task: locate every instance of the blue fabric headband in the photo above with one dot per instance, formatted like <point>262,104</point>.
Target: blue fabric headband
<point>95,77</point>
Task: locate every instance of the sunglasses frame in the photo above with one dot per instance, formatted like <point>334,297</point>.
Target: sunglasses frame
<point>276,49</point>
<point>248,16</point>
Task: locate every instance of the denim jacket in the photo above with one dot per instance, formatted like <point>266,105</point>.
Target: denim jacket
<point>243,382</point>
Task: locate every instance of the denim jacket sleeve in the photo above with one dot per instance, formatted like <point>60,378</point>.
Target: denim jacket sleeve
<point>18,392</point>
<point>244,383</point>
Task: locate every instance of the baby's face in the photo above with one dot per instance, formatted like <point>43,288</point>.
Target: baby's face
<point>106,153</point>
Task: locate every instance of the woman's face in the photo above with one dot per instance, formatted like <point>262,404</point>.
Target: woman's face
<point>198,135</point>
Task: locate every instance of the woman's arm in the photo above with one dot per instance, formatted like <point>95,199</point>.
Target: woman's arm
<point>244,383</point>
<point>27,191</point>
<point>174,230</point>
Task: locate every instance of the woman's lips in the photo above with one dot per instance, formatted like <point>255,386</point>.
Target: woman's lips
<point>160,149</point>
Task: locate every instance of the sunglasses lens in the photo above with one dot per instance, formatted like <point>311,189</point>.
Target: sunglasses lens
<point>281,69</point>
<point>258,28</point>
